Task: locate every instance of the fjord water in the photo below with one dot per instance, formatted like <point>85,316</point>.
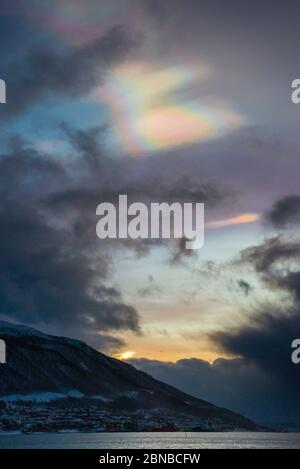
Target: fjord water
<point>178,440</point>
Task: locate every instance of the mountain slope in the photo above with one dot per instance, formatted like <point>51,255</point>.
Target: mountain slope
<point>39,363</point>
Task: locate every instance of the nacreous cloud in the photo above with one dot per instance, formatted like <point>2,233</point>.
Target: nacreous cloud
<point>155,107</point>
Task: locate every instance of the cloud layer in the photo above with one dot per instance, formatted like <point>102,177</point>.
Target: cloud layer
<point>48,72</point>
<point>54,271</point>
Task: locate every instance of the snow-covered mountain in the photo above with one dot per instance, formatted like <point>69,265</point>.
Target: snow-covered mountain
<point>41,366</point>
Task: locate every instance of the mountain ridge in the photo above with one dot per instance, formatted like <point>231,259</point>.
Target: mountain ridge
<point>39,363</point>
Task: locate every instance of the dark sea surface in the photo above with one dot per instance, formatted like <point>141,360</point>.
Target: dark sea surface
<point>151,440</point>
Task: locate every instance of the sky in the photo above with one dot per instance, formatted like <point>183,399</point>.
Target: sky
<point>163,101</point>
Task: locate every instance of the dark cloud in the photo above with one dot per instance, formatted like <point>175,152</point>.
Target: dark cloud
<point>265,339</point>
<point>148,180</point>
<point>266,344</point>
<point>150,289</point>
<point>179,253</point>
<point>238,384</point>
<point>273,261</point>
<point>244,286</point>
<point>285,211</point>
<point>265,255</point>
<point>49,276</point>
<point>68,73</point>
<point>54,270</point>
<point>262,382</point>
<point>151,179</point>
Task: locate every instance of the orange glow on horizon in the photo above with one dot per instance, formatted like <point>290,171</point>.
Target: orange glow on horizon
<point>171,350</point>
<point>125,355</point>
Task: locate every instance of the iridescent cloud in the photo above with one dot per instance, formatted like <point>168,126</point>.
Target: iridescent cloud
<point>237,220</point>
<point>154,107</point>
